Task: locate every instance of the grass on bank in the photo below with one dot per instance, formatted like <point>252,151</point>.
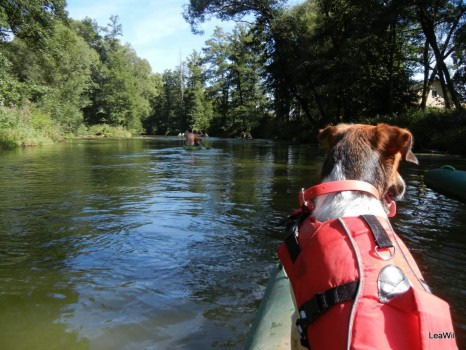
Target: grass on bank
<point>103,130</point>
<point>29,126</point>
<point>26,126</point>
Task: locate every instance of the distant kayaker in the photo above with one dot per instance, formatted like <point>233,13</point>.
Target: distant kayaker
<point>192,138</point>
<point>246,135</point>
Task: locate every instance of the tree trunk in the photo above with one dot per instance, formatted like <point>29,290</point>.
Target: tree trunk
<point>427,25</point>
<point>425,84</point>
<point>391,63</point>
<point>446,96</point>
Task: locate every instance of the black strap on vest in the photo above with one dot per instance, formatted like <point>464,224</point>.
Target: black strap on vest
<point>320,303</point>
<point>292,229</point>
<point>312,309</point>
<point>380,235</point>
<point>292,246</point>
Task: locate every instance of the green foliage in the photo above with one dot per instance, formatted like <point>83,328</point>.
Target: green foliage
<point>333,60</point>
<point>291,71</point>
<point>27,126</point>
<point>12,91</point>
<point>459,59</point>
<point>103,130</point>
<point>439,130</point>
<point>341,60</point>
<point>198,11</point>
<point>63,70</point>
<point>433,130</point>
<point>198,107</point>
<point>169,115</point>
<point>124,88</point>
<point>30,20</point>
<point>44,123</point>
<point>81,73</point>
<point>234,79</point>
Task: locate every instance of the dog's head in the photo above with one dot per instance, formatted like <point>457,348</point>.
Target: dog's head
<point>367,153</point>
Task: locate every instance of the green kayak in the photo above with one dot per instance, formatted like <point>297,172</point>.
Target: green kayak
<point>448,181</point>
<point>271,329</point>
<point>195,148</point>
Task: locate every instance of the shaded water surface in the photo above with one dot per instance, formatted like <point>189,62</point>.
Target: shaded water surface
<point>140,244</point>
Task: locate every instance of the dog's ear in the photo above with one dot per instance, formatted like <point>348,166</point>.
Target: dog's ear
<point>396,140</point>
<point>326,137</point>
<point>330,135</point>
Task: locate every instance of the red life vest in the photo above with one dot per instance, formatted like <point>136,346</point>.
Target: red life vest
<point>357,286</point>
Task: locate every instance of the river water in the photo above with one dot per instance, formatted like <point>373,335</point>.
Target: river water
<point>140,244</point>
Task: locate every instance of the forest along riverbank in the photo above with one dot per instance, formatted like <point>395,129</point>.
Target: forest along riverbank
<point>139,243</point>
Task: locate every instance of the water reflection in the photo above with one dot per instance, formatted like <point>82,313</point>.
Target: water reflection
<point>140,244</point>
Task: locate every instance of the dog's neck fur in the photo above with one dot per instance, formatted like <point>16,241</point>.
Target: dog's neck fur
<point>346,203</point>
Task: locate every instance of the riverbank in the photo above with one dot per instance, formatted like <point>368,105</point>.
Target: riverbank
<point>435,131</point>
<point>29,126</point>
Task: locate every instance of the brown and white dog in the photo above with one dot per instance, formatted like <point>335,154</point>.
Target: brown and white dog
<point>366,153</point>
<point>344,289</point>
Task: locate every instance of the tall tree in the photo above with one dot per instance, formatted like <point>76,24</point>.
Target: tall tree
<point>13,92</point>
<point>459,60</point>
<point>198,11</point>
<point>216,53</point>
<point>249,102</point>
<point>123,94</point>
<point>62,68</point>
<point>234,80</point>
<point>169,117</point>
<point>124,87</point>
<point>31,20</point>
<point>442,19</point>
<point>198,107</point>
<point>267,14</point>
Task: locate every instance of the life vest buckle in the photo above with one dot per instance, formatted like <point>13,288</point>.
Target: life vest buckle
<point>301,325</point>
<point>314,307</point>
<point>320,303</point>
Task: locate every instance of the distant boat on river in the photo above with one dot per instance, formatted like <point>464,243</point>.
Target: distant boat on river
<point>195,148</point>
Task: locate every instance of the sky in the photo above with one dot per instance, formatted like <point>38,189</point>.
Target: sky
<point>155,29</point>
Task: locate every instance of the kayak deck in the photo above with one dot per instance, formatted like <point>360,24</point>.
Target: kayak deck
<point>271,328</point>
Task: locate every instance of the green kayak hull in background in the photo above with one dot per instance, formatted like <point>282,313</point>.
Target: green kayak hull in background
<point>448,181</point>
<point>271,329</point>
<point>195,148</point>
